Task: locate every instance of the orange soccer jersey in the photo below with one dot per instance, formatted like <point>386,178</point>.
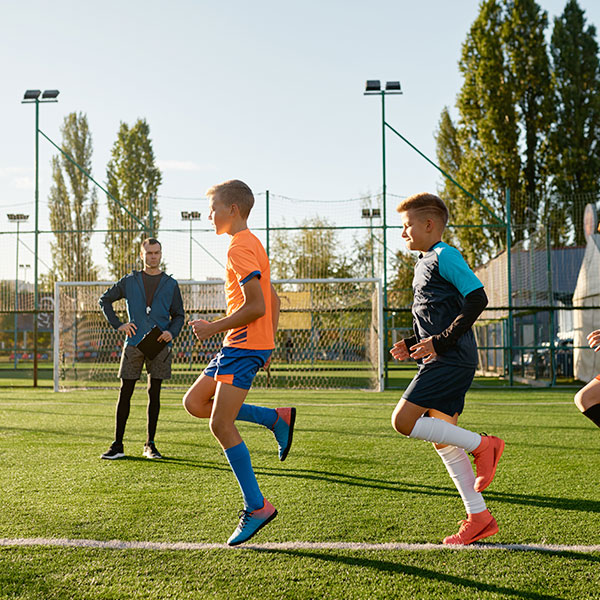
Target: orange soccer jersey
<point>246,258</point>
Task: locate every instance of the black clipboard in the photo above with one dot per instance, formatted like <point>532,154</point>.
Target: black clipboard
<point>150,345</point>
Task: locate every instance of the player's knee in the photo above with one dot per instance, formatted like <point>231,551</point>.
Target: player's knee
<point>580,400</point>
<point>219,427</point>
<point>400,425</point>
<point>189,404</point>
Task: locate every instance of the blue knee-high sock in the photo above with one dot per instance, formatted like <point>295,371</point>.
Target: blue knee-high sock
<point>239,459</point>
<point>258,414</point>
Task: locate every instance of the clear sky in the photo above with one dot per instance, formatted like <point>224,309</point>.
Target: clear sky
<point>268,91</point>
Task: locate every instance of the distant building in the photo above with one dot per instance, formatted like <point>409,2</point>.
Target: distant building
<point>540,278</point>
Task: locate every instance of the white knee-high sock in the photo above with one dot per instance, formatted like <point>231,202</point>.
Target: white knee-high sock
<point>435,430</point>
<point>459,467</point>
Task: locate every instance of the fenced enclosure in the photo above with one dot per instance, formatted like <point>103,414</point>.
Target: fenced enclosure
<point>329,335</point>
<point>533,329</point>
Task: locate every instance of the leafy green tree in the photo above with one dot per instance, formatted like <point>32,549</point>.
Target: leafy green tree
<point>133,179</point>
<point>73,204</point>
<point>487,133</point>
<point>574,140</point>
<point>524,31</point>
<point>476,243</point>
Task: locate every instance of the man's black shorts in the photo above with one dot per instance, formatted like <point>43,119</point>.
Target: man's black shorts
<point>441,387</point>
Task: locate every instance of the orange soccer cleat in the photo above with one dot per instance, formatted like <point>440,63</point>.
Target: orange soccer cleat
<point>474,527</point>
<point>486,456</point>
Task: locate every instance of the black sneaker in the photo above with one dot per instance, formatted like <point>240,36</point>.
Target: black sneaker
<point>150,451</point>
<point>115,451</point>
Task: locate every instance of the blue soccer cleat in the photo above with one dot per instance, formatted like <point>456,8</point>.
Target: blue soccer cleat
<point>284,430</point>
<point>251,523</point>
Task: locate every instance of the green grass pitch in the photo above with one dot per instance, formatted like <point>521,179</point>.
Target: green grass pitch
<point>348,478</point>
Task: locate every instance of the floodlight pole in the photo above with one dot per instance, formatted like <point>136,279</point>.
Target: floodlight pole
<point>191,217</point>
<point>16,363</point>
<point>36,247</point>
<point>373,88</point>
<point>18,219</point>
<point>384,199</point>
<point>48,96</point>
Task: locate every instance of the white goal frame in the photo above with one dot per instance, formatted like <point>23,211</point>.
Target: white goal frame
<point>379,323</point>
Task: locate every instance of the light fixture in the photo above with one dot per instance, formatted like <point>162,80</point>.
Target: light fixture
<point>373,85</point>
<point>50,94</point>
<point>17,218</point>
<point>32,94</point>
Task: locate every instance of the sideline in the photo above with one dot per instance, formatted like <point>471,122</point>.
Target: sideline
<point>122,545</point>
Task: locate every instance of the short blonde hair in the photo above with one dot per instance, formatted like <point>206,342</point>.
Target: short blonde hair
<point>427,204</point>
<point>235,192</point>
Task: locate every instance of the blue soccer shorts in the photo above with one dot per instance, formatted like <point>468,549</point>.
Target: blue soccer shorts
<point>237,366</point>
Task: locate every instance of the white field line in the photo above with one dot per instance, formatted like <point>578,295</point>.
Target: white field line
<point>360,546</point>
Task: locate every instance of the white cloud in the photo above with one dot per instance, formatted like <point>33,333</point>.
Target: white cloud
<point>182,165</point>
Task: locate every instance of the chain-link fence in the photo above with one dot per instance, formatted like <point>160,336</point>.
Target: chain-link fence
<point>533,329</point>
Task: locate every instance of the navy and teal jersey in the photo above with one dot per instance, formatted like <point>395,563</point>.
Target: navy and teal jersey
<point>441,281</point>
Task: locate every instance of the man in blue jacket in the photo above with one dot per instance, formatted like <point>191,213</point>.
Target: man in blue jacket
<point>153,299</point>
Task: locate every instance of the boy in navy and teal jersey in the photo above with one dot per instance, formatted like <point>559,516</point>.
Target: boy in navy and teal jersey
<point>251,321</point>
<point>448,298</point>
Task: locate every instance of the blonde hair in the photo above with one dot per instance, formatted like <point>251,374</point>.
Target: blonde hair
<point>235,192</point>
<point>427,204</point>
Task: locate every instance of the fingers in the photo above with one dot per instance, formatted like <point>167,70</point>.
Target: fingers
<point>594,340</point>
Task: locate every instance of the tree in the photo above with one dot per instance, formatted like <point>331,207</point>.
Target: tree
<point>574,143</point>
<point>73,204</point>
<point>529,71</point>
<point>133,180</point>
<point>475,242</point>
<point>481,151</point>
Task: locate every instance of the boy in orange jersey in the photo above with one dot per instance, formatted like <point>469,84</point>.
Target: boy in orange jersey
<point>251,322</point>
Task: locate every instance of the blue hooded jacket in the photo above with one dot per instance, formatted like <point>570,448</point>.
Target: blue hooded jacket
<point>166,311</point>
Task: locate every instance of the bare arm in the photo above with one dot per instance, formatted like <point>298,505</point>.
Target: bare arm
<point>252,309</point>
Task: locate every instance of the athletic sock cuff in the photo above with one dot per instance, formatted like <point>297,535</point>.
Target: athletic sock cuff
<point>593,414</point>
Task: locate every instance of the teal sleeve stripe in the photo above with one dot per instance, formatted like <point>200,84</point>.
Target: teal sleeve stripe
<point>454,269</point>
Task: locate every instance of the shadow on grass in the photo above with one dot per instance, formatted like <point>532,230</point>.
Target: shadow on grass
<point>576,504</point>
<point>412,571</point>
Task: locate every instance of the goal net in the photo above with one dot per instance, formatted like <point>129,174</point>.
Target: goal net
<point>330,335</point>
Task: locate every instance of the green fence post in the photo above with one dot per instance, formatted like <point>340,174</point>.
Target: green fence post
<point>509,287</point>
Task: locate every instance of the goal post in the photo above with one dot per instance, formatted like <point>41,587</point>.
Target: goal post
<point>330,335</point>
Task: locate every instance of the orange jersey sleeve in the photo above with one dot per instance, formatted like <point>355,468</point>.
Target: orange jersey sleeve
<point>246,258</point>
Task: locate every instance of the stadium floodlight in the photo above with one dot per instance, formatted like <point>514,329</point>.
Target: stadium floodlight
<point>393,86</point>
<point>17,218</point>
<point>33,97</point>
<point>374,89</point>
<point>190,216</point>
<point>371,213</point>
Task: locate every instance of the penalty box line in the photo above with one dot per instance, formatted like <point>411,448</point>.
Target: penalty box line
<point>357,546</point>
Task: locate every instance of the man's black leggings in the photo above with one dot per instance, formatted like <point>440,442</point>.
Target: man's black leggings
<point>124,404</point>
